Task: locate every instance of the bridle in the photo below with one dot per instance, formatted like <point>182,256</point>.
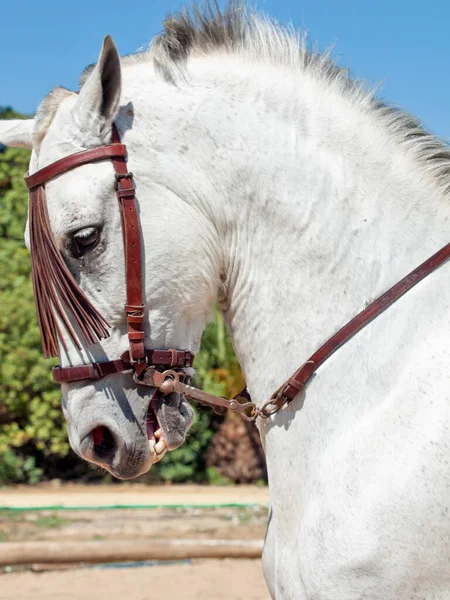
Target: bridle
<point>163,370</point>
<point>137,358</point>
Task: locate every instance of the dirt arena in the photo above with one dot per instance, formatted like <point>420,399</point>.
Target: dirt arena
<point>221,580</point>
<point>188,512</point>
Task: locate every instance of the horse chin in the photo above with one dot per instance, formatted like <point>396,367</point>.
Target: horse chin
<point>168,421</point>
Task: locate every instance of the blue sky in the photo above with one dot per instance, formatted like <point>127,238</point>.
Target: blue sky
<point>405,45</point>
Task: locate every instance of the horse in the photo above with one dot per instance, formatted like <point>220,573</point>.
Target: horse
<point>271,183</point>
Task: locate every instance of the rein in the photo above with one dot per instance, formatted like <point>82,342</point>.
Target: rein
<point>56,291</point>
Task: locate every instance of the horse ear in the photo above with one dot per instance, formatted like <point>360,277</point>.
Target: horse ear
<point>98,102</point>
<point>16,132</point>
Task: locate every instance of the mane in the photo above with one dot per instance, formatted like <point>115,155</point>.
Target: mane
<point>236,30</point>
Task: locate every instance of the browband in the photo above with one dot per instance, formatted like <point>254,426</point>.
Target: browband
<point>74,160</point>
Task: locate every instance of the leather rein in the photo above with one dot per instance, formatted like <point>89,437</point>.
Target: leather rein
<point>164,370</point>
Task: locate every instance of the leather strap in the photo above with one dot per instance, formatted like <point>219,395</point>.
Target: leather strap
<point>75,160</point>
<point>290,388</point>
<point>131,233</point>
<point>173,359</point>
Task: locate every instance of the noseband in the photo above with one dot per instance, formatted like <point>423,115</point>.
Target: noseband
<point>55,288</point>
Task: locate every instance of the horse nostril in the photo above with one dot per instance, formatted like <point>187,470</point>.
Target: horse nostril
<point>104,442</point>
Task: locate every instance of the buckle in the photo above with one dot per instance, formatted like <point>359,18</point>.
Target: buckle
<point>139,365</point>
<point>279,396</point>
<point>139,361</point>
<point>118,178</point>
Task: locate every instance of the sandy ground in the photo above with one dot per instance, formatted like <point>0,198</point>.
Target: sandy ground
<point>209,580</point>
<point>129,494</point>
<point>193,518</point>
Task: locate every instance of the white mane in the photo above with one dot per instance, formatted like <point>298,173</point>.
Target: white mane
<point>238,31</point>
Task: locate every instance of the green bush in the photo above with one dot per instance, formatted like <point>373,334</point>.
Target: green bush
<point>30,415</point>
<point>17,469</point>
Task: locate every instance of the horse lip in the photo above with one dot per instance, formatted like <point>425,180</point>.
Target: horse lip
<point>158,409</point>
<point>174,433</point>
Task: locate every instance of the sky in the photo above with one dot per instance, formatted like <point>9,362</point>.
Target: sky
<point>401,46</point>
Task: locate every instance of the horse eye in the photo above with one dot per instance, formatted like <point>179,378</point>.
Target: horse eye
<point>84,241</point>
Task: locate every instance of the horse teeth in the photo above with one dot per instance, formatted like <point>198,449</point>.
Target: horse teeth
<point>160,446</point>
<point>157,449</point>
<point>158,433</point>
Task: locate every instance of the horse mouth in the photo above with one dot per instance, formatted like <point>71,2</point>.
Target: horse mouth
<point>164,428</point>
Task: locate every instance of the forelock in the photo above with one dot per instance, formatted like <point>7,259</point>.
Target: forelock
<point>46,113</point>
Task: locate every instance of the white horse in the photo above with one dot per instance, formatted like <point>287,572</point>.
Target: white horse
<point>271,183</point>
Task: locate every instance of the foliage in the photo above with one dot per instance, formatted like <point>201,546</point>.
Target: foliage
<point>33,436</point>
<point>215,478</point>
<point>30,417</point>
<point>15,468</point>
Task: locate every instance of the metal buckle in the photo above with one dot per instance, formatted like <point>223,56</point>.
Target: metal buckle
<point>271,407</point>
<point>139,366</point>
<point>139,361</point>
<point>281,396</point>
<point>119,176</point>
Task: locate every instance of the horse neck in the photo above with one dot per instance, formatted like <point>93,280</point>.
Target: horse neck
<point>325,210</point>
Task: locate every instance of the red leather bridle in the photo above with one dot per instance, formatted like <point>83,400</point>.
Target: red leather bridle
<point>137,358</point>
<point>164,369</point>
